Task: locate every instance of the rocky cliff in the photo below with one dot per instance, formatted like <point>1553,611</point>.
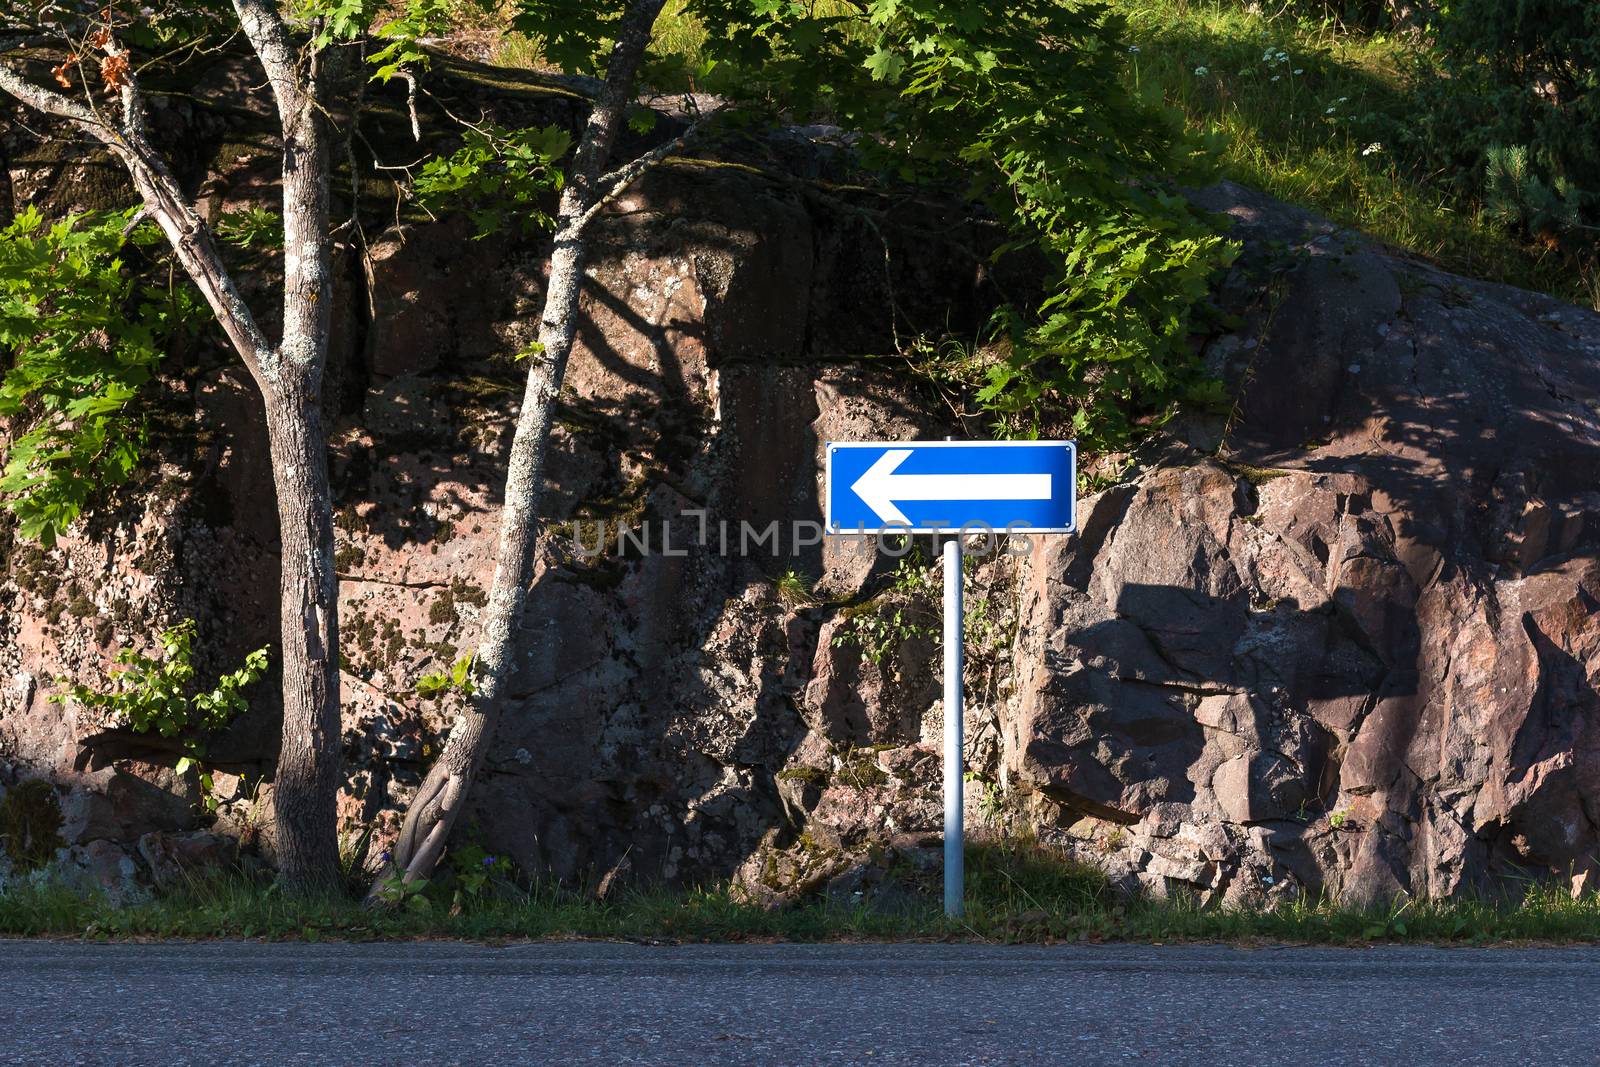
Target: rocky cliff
<point>1345,637</point>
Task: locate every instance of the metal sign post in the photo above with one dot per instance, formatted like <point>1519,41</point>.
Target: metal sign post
<point>952,488</point>
<point>954,746</point>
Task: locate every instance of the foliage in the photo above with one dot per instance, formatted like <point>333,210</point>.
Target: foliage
<point>1022,108</point>
<point>254,227</point>
<point>159,694</point>
<point>84,337</point>
<point>1514,111</point>
<point>904,612</point>
<point>395,891</point>
<point>883,630</point>
<point>794,588</point>
<point>1029,95</point>
<point>458,679</point>
<point>417,19</point>
<point>353,854</point>
<point>497,175</point>
<point>476,870</point>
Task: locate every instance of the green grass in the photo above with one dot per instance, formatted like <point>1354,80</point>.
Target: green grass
<point>1324,128</point>
<point>1015,894</point>
<point>676,39</point>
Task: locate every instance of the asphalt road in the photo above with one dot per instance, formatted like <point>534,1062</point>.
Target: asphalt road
<point>928,1005</point>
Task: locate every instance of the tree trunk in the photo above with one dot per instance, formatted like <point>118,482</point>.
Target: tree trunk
<point>289,377</point>
<point>307,779</point>
<point>440,801</point>
<point>306,784</point>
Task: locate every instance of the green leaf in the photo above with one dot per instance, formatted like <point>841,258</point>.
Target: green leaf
<point>885,65</point>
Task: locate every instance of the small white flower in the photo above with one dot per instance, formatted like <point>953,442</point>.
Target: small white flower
<point>1133,49</point>
<point>1328,112</point>
<point>1201,72</point>
<point>1275,77</point>
<point>1372,149</point>
<point>1299,70</point>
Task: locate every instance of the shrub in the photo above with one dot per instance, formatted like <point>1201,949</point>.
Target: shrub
<point>1514,112</point>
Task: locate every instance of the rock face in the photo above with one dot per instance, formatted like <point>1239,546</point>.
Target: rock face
<point>1356,646</point>
<point>1346,639</point>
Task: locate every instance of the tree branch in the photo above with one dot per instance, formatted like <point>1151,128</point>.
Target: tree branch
<point>25,40</point>
<point>615,183</point>
<point>51,102</point>
<point>189,236</point>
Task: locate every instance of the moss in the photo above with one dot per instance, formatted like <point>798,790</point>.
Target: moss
<point>30,824</point>
<point>31,570</point>
<point>1257,476</point>
<point>378,644</point>
<point>443,651</point>
<point>475,389</point>
<point>602,576</point>
<point>467,593</point>
<point>350,520</point>
<point>861,770</point>
<point>361,631</point>
<point>505,80</point>
<point>816,776</point>
<point>348,557</point>
<point>443,610</point>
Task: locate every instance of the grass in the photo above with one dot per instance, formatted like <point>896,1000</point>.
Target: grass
<point>1316,115</point>
<point>1015,894</point>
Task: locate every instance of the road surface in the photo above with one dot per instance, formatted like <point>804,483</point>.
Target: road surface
<point>617,1005</point>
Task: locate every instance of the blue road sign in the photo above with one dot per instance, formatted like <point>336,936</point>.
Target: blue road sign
<point>940,486</point>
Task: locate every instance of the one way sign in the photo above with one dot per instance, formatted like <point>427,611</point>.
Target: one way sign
<point>940,486</point>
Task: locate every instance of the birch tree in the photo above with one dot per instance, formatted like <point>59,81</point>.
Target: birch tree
<point>588,187</point>
<point>81,69</point>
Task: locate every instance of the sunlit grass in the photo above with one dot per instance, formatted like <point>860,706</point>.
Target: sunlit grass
<point>1317,116</point>
<point>677,37</point>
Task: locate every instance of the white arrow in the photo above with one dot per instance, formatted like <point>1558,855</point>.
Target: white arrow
<point>880,487</point>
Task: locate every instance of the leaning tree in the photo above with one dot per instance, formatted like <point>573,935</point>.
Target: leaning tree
<point>1019,105</point>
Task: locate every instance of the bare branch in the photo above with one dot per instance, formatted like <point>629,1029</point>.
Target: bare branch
<point>411,103</point>
<point>18,43</point>
<point>51,102</point>
<point>615,183</point>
